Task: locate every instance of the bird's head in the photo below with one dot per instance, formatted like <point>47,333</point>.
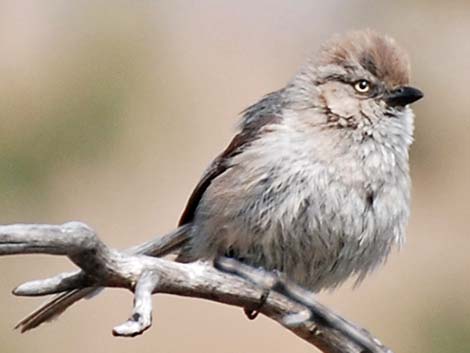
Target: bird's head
<point>357,79</point>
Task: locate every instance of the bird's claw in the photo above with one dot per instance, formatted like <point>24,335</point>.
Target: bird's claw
<point>252,313</point>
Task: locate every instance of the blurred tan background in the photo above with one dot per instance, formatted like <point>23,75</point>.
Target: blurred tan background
<point>110,111</point>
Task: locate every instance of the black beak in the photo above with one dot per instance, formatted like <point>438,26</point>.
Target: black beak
<point>402,96</point>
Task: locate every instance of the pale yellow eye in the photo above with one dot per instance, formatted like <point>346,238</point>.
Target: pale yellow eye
<point>362,86</point>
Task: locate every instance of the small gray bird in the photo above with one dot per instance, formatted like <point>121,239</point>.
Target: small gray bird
<point>316,183</point>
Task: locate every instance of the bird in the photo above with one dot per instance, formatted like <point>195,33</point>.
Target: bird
<point>315,184</point>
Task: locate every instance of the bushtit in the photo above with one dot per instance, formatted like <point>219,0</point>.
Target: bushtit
<point>316,184</point>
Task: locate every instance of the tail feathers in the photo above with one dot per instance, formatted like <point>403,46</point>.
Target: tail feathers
<point>166,244</point>
<point>56,306</point>
<point>53,308</point>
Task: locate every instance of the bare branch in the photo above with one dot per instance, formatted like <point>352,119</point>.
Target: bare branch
<point>238,284</point>
<point>78,279</point>
<point>141,318</point>
<point>60,283</point>
<point>316,311</point>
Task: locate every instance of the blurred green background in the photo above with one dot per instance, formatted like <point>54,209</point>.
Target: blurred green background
<point>111,110</point>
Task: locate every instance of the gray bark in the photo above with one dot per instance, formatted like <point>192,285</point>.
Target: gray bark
<point>228,282</point>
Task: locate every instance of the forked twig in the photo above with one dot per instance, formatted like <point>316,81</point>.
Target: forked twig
<point>237,284</point>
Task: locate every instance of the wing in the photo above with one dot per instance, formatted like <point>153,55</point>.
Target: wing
<point>217,167</point>
<point>250,131</point>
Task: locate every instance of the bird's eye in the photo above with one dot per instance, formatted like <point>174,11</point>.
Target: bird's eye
<point>362,86</point>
